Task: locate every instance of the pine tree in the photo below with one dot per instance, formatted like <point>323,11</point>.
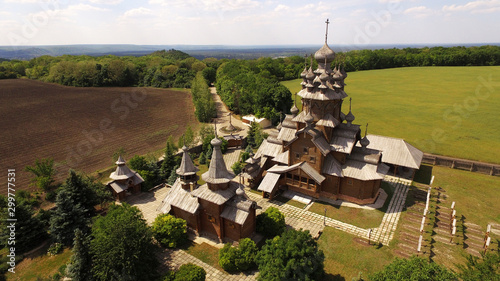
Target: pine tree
<point>202,159</point>
<point>81,260</point>
<point>173,176</point>
<point>75,207</point>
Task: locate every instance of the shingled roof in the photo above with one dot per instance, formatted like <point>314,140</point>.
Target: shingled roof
<point>217,172</point>
<point>179,198</point>
<point>396,151</point>
<point>187,166</point>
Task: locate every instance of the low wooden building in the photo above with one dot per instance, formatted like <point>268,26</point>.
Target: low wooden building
<point>125,181</point>
<point>219,208</point>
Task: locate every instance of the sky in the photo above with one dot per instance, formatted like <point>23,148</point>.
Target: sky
<point>248,22</point>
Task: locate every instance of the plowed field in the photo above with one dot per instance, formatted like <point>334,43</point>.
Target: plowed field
<point>81,128</point>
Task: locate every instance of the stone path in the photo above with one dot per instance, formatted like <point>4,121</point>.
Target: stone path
<point>385,232</point>
<point>173,259</point>
<point>223,116</point>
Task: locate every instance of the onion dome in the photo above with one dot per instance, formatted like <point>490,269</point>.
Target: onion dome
<point>294,110</point>
<point>216,142</point>
<point>240,191</point>
<point>304,73</point>
<point>342,116</point>
<point>349,117</point>
<point>324,53</point>
<point>310,74</point>
<point>324,76</point>
<point>364,142</point>
<point>120,161</point>
<point>309,118</point>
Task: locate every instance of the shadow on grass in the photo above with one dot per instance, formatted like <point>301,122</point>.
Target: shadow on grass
<point>331,277</point>
<point>423,175</point>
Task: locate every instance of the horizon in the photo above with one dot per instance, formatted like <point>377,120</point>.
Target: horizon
<point>248,22</point>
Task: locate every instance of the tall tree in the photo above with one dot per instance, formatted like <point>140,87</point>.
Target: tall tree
<point>292,256</point>
<point>122,246</point>
<point>43,172</point>
<point>75,207</point>
<point>81,261</point>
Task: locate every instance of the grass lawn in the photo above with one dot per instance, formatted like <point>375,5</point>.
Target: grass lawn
<point>205,253</point>
<point>476,195</point>
<point>290,202</point>
<point>359,217</point>
<point>345,258</point>
<point>435,109</point>
<point>203,168</point>
<point>40,267</point>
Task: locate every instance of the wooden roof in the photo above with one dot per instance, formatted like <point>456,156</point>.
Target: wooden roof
<point>287,134</point>
<point>269,149</point>
<point>187,166</point>
<point>235,215</point>
<point>179,198</point>
<point>282,158</point>
<point>329,94</point>
<point>218,197</point>
<point>396,151</point>
<point>217,171</point>
<point>332,166</point>
<point>303,166</point>
<point>269,182</point>
<point>328,121</point>
<point>364,171</point>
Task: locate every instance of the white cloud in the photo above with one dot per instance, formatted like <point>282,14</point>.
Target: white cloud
<point>106,2</point>
<point>24,1</point>
<point>281,7</point>
<point>475,7</point>
<point>83,7</point>
<point>211,5</point>
<point>138,12</point>
<point>419,12</point>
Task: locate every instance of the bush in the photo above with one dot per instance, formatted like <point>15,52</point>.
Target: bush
<point>51,196</point>
<point>169,231</point>
<point>55,249</point>
<point>236,168</point>
<point>271,222</point>
<point>415,268</point>
<point>239,258</point>
<point>190,272</point>
<point>292,256</point>
<point>202,159</point>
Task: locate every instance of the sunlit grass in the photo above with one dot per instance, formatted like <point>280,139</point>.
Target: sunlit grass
<point>436,109</point>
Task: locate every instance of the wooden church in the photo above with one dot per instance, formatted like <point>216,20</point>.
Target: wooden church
<point>219,208</point>
<point>320,152</point>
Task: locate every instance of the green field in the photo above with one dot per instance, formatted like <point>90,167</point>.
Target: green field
<point>449,111</point>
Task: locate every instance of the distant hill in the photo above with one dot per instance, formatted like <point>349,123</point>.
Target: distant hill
<point>197,51</point>
<point>2,59</point>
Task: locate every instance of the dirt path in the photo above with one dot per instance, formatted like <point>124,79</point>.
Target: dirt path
<point>223,117</point>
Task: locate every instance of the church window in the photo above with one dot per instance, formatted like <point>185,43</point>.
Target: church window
<point>231,225</point>
<point>297,155</point>
<point>306,150</point>
<point>312,159</point>
<point>211,219</point>
<point>349,181</point>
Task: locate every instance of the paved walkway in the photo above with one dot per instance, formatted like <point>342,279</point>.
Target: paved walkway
<point>385,232</point>
<point>173,259</point>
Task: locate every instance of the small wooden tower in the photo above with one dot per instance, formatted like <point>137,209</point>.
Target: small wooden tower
<point>125,181</point>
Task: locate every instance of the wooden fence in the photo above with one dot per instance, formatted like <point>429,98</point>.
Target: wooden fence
<point>462,164</point>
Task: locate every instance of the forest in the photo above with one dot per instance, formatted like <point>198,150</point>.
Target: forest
<point>246,86</point>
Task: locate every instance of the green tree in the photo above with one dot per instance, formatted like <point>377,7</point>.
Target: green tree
<point>138,163</point>
<point>173,176</point>
<point>202,159</point>
<point>30,231</point>
<point>237,167</point>
<point>190,272</point>
<point>292,256</point>
<point>75,206</point>
<point>255,135</point>
<point>43,172</point>
<point>271,222</point>
<point>169,158</point>
<point>485,268</point>
<point>80,261</point>
<point>415,268</point>
<point>122,246</point>
<point>170,231</point>
<point>239,258</point>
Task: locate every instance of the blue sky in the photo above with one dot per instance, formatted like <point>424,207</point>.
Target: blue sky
<point>248,22</point>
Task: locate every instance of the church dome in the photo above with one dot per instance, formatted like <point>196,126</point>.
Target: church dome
<point>304,73</point>
<point>309,118</point>
<point>324,53</point>
<point>294,109</point>
<point>240,191</point>
<point>349,117</point>
<point>310,74</point>
<point>215,142</point>
<point>364,142</point>
<point>324,76</point>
